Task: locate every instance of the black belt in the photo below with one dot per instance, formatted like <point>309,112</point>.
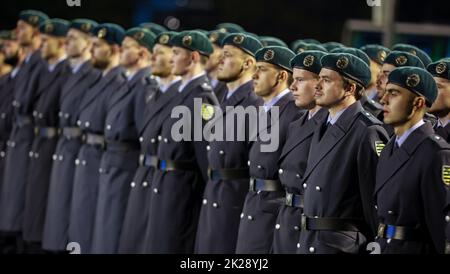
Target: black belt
<point>148,160</point>
<point>94,139</point>
<point>168,165</point>
<point>399,232</point>
<point>228,174</point>
<point>23,120</point>
<point>122,146</point>
<point>46,132</point>
<point>294,200</point>
<point>264,185</point>
<point>334,224</point>
<point>72,132</point>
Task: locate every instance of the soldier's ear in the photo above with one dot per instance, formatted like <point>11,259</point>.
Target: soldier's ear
<point>195,56</point>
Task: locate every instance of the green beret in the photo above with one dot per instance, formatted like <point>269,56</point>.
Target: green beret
<point>143,36</point>
<point>304,41</point>
<point>193,40</point>
<point>229,27</point>
<point>55,27</point>
<point>245,42</point>
<point>416,80</point>
<point>332,45</point>
<point>300,46</point>
<point>276,55</point>
<point>357,52</point>
<point>272,41</point>
<point>254,35</point>
<point>85,25</point>
<point>348,65</point>
<point>403,59</point>
<point>423,56</point>
<point>33,17</point>
<point>111,33</point>
<point>308,60</point>
<point>7,35</point>
<point>440,69</point>
<point>155,28</point>
<point>216,37</point>
<point>377,53</point>
<point>164,38</point>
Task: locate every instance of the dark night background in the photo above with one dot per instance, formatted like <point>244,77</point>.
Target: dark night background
<point>286,19</point>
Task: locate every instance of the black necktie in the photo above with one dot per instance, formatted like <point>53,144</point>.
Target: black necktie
<point>395,148</point>
<point>324,128</point>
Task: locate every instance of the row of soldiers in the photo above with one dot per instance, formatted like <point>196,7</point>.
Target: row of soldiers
<point>88,153</point>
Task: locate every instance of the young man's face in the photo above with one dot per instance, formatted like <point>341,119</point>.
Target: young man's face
<point>161,57</point>
<point>24,33</point>
<point>50,46</point>
<point>76,43</point>
<point>374,71</point>
<point>230,66</point>
<point>442,102</point>
<point>397,105</point>
<point>101,53</point>
<point>181,61</point>
<point>382,79</point>
<point>130,52</point>
<point>330,88</point>
<point>265,78</point>
<point>10,49</point>
<point>303,88</point>
<point>214,59</point>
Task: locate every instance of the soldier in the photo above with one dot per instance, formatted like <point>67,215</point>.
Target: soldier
<point>212,66</point>
<point>332,45</point>
<point>339,215</point>
<point>369,101</point>
<point>271,80</point>
<point>132,237</point>
<point>447,222</point>
<point>16,162</point>
<point>180,176</point>
<point>82,77</point>
<point>300,46</point>
<point>272,41</point>
<point>413,168</point>
<point>227,186</point>
<point>91,117</point>
<point>45,116</point>
<point>230,28</point>
<point>294,155</point>
<point>123,122</point>
<point>153,27</point>
<point>441,106</point>
<point>5,67</point>
<point>422,55</point>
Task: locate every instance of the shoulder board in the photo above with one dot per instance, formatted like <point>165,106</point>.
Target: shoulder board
<point>369,118</point>
<point>206,87</point>
<point>439,141</point>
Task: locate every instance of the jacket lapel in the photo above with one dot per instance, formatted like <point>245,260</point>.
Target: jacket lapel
<point>76,78</point>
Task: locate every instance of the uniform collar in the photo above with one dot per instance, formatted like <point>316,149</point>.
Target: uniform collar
<point>164,88</point>
<point>274,100</point>
<point>51,67</point>
<point>230,92</point>
<point>183,85</point>
<point>333,120</point>
<point>400,140</point>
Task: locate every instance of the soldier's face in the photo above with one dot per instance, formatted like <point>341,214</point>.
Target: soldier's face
<point>374,70</point>
<point>181,61</point>
<point>10,48</point>
<point>77,42</point>
<point>24,33</point>
<point>265,78</point>
<point>382,79</point>
<point>397,105</point>
<point>214,59</point>
<point>231,64</point>
<point>441,105</point>
<point>161,60</point>
<point>130,52</point>
<point>50,46</point>
<point>303,88</point>
<point>329,89</point>
<point>101,53</point>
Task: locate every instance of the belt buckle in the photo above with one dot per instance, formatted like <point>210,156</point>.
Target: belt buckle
<point>36,131</point>
<point>381,230</point>
<point>289,199</point>
<point>141,159</point>
<point>162,165</point>
<point>252,184</point>
<point>303,223</point>
<point>390,231</point>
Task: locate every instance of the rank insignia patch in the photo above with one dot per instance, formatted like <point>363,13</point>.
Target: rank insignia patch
<point>379,147</point>
<point>207,111</point>
<point>446,175</point>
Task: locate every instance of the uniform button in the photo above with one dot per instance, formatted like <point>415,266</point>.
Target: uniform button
<point>242,215</point>
<point>3,115</point>
<point>77,162</point>
<point>312,249</point>
<point>297,175</point>
<point>40,115</point>
<point>250,217</point>
<point>259,167</point>
<point>35,113</point>
<point>248,163</point>
<point>152,140</point>
<point>87,124</point>
<point>60,114</point>
<point>304,185</point>
<point>144,184</point>
<point>166,140</point>
<point>296,228</point>
<point>30,154</point>
<point>83,162</point>
<point>318,188</point>
<point>390,212</point>
<point>78,123</point>
<point>389,240</point>
<point>277,226</point>
<point>66,115</point>
<point>447,218</point>
<point>221,152</point>
<point>298,245</point>
<point>141,139</point>
<point>215,205</point>
<point>205,201</point>
<point>55,157</point>
<point>12,144</point>
<point>133,184</point>
<point>155,190</point>
<point>376,207</point>
<point>60,157</point>
<point>108,127</point>
<point>208,148</point>
<point>159,138</point>
<point>36,155</point>
<point>2,154</point>
<point>280,171</point>
<point>100,170</point>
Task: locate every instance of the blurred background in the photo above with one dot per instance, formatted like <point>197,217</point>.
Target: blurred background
<point>425,24</point>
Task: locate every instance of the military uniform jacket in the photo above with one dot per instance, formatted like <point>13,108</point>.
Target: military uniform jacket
<point>292,162</point>
<point>61,178</point>
<point>340,179</point>
<point>221,91</point>
<point>261,208</point>
<point>176,195</point>
<point>92,115</point>
<point>410,190</point>
<point>45,113</point>
<point>447,222</point>
<point>443,131</point>
<point>132,236</point>
<point>19,144</point>
<point>223,199</point>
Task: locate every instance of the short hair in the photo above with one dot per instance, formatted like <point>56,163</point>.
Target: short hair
<point>359,91</point>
